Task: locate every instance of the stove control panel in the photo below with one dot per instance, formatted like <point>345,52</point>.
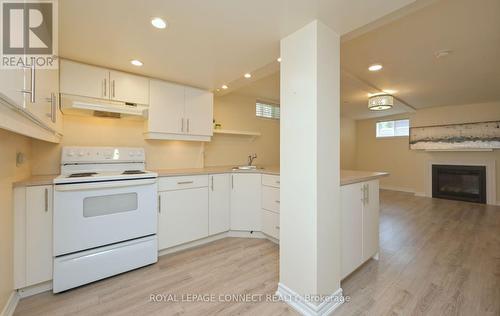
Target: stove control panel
<point>102,154</point>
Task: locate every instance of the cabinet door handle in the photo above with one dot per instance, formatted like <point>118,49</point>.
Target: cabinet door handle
<point>113,88</point>
<point>104,87</point>
<point>212,184</point>
<point>188,125</point>
<point>232,181</point>
<point>182,125</point>
<point>53,108</point>
<point>185,182</point>
<point>46,200</point>
<point>31,92</point>
<point>367,194</point>
<point>159,204</point>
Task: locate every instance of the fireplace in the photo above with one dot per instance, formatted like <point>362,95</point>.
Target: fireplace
<point>463,183</point>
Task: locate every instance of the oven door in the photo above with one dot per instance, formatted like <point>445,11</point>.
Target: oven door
<point>89,215</point>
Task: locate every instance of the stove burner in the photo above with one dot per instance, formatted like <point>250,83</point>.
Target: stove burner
<point>83,174</point>
<point>133,172</point>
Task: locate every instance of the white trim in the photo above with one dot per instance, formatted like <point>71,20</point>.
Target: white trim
<point>307,308</point>
<point>206,240</point>
<point>35,289</point>
<point>420,194</point>
<point>10,306</point>
<point>396,188</point>
<point>490,164</point>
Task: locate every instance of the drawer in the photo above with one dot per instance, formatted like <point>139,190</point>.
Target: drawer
<point>271,199</point>
<point>270,224</point>
<point>184,182</point>
<point>270,180</point>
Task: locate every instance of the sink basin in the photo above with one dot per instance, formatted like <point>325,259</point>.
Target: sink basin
<point>245,168</point>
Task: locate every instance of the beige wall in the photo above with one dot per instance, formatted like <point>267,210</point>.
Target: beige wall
<point>347,143</point>
<point>233,111</point>
<point>10,144</point>
<point>237,112</point>
<point>408,167</point>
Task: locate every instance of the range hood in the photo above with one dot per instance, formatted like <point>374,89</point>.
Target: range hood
<point>103,108</point>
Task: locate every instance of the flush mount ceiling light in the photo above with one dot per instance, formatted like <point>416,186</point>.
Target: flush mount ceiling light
<point>159,23</point>
<point>136,62</point>
<point>375,67</point>
<point>380,102</point>
<point>224,87</point>
<point>248,76</point>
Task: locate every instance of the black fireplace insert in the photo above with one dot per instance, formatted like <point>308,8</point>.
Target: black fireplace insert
<point>463,183</point>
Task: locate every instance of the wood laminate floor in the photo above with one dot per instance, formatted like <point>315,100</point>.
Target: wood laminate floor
<point>437,258</point>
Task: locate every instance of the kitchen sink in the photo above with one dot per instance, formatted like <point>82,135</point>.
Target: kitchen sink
<point>245,168</point>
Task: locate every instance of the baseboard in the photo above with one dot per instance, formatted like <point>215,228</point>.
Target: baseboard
<point>307,308</point>
<point>10,306</point>
<point>35,289</point>
<point>396,188</point>
<point>200,242</point>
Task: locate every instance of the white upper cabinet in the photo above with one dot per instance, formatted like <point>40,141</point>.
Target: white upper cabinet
<point>128,88</point>
<point>179,113</point>
<point>166,108</point>
<point>100,83</point>
<point>11,84</point>
<point>199,111</point>
<point>84,80</point>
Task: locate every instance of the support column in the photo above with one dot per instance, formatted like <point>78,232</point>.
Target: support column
<point>310,170</point>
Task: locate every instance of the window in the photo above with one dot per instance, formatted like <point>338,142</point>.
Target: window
<point>267,110</point>
<point>393,128</point>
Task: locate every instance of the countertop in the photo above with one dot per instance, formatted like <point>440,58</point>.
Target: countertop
<point>346,176</point>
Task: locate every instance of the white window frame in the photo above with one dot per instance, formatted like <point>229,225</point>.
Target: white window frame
<point>267,103</point>
<point>377,136</point>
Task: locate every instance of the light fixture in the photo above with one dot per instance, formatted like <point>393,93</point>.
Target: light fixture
<point>279,59</point>
<point>224,87</point>
<point>248,76</point>
<point>159,23</point>
<point>136,62</point>
<point>380,102</point>
<point>375,67</point>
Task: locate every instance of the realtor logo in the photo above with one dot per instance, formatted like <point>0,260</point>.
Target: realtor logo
<point>28,34</point>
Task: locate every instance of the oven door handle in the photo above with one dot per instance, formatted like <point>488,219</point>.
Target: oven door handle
<point>103,185</point>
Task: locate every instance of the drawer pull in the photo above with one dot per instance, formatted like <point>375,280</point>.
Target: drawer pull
<point>278,182</point>
<point>278,201</point>
<point>277,227</point>
<point>185,182</point>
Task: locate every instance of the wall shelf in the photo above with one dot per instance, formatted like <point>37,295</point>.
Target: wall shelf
<point>236,133</point>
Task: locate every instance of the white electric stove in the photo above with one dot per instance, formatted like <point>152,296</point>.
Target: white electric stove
<point>105,215</point>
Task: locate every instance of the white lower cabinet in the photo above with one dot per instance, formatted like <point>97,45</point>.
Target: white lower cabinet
<point>359,224</point>
<point>32,235</point>
<point>219,208</point>
<point>245,202</point>
<point>270,223</point>
<point>183,216</point>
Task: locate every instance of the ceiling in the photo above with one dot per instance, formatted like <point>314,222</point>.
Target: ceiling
<point>207,43</point>
<point>406,48</point>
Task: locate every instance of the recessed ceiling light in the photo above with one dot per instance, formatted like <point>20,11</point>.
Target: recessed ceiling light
<point>247,75</point>
<point>136,62</point>
<point>375,67</point>
<point>224,87</point>
<point>218,89</point>
<point>279,59</point>
<point>159,23</point>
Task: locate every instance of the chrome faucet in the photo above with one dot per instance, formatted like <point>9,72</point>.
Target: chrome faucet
<point>251,158</point>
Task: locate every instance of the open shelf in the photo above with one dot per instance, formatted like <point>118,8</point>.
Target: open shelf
<point>235,132</point>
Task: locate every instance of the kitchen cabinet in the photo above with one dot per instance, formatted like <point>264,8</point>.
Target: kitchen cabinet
<point>219,203</point>
<point>100,83</point>
<point>359,224</point>
<point>270,217</point>
<point>183,213</point>
<point>129,88</point>
<point>178,112</point>
<point>245,202</point>
<point>32,235</point>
